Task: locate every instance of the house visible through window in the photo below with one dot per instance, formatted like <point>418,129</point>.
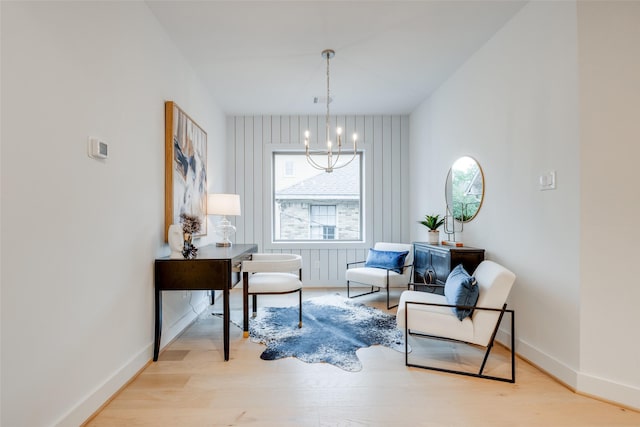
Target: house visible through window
<point>315,205</point>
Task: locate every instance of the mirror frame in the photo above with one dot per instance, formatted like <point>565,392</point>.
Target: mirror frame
<point>448,184</point>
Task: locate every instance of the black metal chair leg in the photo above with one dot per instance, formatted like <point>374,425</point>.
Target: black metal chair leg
<point>407,333</point>
<point>372,291</point>
<point>393,306</point>
<point>255,305</point>
<point>493,337</point>
<point>300,315</point>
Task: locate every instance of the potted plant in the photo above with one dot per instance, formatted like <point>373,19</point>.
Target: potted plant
<point>433,222</point>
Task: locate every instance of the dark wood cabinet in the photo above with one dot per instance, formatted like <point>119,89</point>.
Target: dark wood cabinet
<point>433,263</point>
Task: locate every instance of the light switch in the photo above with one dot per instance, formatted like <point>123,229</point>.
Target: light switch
<point>547,181</point>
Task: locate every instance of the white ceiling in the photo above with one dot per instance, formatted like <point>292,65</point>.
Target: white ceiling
<point>263,57</point>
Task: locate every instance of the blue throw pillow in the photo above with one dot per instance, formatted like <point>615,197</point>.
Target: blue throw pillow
<point>386,259</point>
<point>461,289</point>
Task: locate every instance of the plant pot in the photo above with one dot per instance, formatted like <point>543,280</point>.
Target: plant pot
<point>434,237</point>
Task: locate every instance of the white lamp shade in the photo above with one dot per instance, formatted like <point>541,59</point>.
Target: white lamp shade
<point>223,204</point>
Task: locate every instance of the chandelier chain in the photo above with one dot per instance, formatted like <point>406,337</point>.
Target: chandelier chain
<point>327,119</point>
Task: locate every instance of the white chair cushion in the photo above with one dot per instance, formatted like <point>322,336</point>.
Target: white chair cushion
<point>375,277</point>
<point>495,283</point>
<point>273,283</point>
<point>433,320</point>
<point>262,262</point>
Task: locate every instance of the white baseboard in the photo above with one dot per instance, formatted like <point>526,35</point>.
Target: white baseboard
<point>548,363</point>
<point>582,383</point>
<point>105,391</point>
<point>102,393</point>
<point>608,390</point>
<point>323,284</point>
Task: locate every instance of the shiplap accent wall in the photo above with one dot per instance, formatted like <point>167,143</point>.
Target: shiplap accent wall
<point>385,142</point>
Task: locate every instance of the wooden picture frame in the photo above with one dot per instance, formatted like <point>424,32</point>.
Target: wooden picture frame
<point>185,168</point>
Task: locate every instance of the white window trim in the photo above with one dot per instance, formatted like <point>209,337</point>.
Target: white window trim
<point>267,191</point>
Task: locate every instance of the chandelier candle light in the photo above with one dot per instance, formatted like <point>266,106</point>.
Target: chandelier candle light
<point>224,204</point>
<point>332,161</point>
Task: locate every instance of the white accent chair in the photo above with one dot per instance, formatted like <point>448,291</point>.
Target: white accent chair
<point>270,274</point>
<point>379,278</point>
<point>429,315</point>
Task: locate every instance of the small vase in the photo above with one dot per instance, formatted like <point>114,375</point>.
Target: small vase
<point>434,237</point>
<point>175,240</point>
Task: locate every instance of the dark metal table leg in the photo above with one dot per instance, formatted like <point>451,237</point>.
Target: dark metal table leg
<point>156,344</point>
<point>245,305</point>
<point>225,317</point>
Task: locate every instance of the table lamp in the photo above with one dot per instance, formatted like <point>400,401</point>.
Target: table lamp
<point>224,204</point>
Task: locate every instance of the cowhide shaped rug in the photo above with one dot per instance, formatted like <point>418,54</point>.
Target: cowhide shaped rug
<point>333,328</point>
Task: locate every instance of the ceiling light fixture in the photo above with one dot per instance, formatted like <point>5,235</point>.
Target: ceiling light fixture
<point>332,157</point>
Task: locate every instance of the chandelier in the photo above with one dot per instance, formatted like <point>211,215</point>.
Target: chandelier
<point>333,155</point>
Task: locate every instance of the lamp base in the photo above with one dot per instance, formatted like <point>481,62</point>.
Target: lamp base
<point>225,229</point>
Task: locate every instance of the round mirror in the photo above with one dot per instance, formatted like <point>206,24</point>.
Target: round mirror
<point>464,189</point>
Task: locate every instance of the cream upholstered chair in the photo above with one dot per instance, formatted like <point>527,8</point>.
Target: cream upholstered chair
<point>270,273</point>
<point>379,277</point>
<point>430,315</point>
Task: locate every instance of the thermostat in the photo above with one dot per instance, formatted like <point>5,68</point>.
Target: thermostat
<point>98,149</point>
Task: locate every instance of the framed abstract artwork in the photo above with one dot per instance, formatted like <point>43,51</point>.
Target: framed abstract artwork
<point>185,168</point>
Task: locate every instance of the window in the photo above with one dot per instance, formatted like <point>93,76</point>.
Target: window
<point>323,222</point>
<point>315,205</point>
<point>289,169</point>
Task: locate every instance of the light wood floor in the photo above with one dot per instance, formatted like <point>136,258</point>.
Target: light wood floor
<point>191,385</point>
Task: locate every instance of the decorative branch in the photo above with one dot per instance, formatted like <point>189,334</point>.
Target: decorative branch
<point>190,226</point>
<point>190,223</point>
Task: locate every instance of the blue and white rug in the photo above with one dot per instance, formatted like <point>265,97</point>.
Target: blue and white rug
<point>333,328</point>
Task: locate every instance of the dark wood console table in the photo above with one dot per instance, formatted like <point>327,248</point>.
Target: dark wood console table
<point>211,270</point>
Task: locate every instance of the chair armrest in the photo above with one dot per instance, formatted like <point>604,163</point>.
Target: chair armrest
<point>504,307</point>
<point>431,285</point>
<point>393,269</point>
<point>362,262</point>
<point>355,262</point>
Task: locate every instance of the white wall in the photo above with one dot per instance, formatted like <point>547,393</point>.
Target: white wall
<point>526,103</point>
<point>79,236</point>
<point>609,33</point>
<point>513,107</point>
<point>385,141</point>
